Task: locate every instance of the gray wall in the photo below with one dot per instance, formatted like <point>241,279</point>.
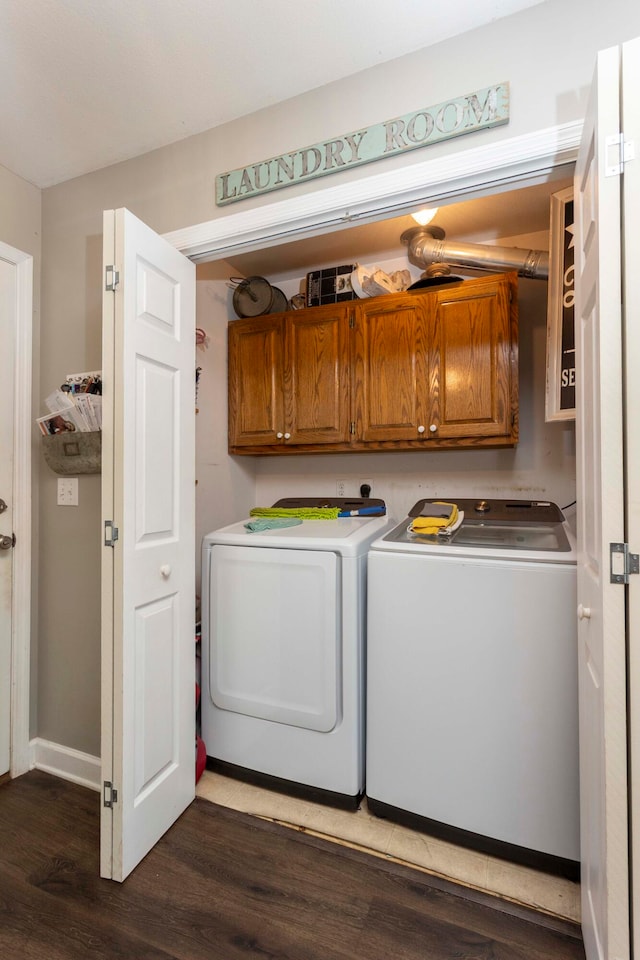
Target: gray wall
<point>547,53</point>
<point>20,219</point>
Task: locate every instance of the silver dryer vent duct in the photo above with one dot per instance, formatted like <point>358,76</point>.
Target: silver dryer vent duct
<point>427,245</point>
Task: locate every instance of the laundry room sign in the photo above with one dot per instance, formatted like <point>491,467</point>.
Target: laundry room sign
<point>485,108</point>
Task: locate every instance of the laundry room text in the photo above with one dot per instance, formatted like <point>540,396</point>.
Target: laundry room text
<point>453,118</point>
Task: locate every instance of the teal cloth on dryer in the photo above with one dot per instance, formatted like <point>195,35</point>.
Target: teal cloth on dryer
<point>270,523</point>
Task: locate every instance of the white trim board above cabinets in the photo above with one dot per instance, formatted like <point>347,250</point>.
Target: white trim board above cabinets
<point>531,158</point>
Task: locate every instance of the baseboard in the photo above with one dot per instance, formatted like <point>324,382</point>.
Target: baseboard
<point>66,763</point>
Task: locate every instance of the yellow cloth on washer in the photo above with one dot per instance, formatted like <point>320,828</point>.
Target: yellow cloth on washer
<point>430,526</point>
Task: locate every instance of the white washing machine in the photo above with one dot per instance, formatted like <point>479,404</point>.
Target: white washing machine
<point>472,690</point>
<point>283,670</point>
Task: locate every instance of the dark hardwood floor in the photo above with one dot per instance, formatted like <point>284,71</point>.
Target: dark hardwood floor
<point>221,885</point>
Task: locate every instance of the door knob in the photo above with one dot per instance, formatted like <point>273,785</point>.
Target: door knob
<point>6,543</point>
<point>433,428</point>
<point>420,429</point>
<point>279,436</point>
<point>287,436</point>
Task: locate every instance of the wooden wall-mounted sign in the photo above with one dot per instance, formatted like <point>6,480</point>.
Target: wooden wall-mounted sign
<point>561,340</point>
<point>454,118</point>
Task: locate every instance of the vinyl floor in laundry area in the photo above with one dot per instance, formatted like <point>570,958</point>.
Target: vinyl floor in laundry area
<point>224,885</point>
<point>362,830</point>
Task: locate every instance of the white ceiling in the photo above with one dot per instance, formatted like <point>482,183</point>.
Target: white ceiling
<point>87,83</point>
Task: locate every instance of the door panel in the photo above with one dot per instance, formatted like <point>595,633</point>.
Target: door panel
<point>472,346</point>
<point>631,301</point>
<point>600,476</point>
<point>148,716</point>
<point>316,375</point>
<point>391,363</point>
<point>256,413</point>
<point>7,364</point>
<point>276,657</point>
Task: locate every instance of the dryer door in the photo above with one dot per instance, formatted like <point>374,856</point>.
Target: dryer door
<point>275,636</point>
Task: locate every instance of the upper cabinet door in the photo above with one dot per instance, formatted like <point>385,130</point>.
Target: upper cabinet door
<point>256,412</point>
<point>473,335</point>
<point>391,379</point>
<point>316,376</point>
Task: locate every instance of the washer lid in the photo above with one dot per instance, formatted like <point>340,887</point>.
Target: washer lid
<point>530,537</point>
<point>504,529</point>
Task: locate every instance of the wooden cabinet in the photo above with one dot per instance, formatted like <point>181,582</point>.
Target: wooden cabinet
<point>289,380</point>
<point>255,367</point>
<point>391,363</point>
<point>397,372</point>
<point>474,365</point>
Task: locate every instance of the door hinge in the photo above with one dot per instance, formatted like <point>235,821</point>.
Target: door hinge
<point>109,794</point>
<point>111,277</point>
<point>110,533</point>
<point>622,562</point>
<point>618,152</point>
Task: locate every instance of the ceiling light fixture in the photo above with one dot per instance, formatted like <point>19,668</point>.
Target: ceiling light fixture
<point>425,215</point>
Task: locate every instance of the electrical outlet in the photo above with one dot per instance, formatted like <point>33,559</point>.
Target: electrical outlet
<point>341,488</point>
<point>369,483</point>
<point>67,491</point>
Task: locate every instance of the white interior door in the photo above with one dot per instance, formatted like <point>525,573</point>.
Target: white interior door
<point>631,301</point>
<point>7,363</point>
<point>601,604</point>
<point>148,612</point>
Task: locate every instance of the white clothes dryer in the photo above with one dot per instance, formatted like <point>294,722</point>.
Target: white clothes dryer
<point>283,667</point>
<point>472,696</point>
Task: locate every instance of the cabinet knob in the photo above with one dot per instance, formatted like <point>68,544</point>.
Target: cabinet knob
<point>165,571</point>
<point>420,429</point>
<point>287,436</point>
<point>433,428</point>
<point>279,436</point>
<point>584,613</point>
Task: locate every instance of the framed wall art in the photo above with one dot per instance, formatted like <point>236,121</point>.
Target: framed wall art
<point>561,347</point>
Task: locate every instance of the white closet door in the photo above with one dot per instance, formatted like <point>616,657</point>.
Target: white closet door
<point>631,301</point>
<point>601,604</point>
<point>7,364</point>
<point>148,613</point>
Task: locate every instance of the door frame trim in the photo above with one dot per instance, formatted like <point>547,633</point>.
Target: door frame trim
<point>479,171</point>
<point>22,552</point>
